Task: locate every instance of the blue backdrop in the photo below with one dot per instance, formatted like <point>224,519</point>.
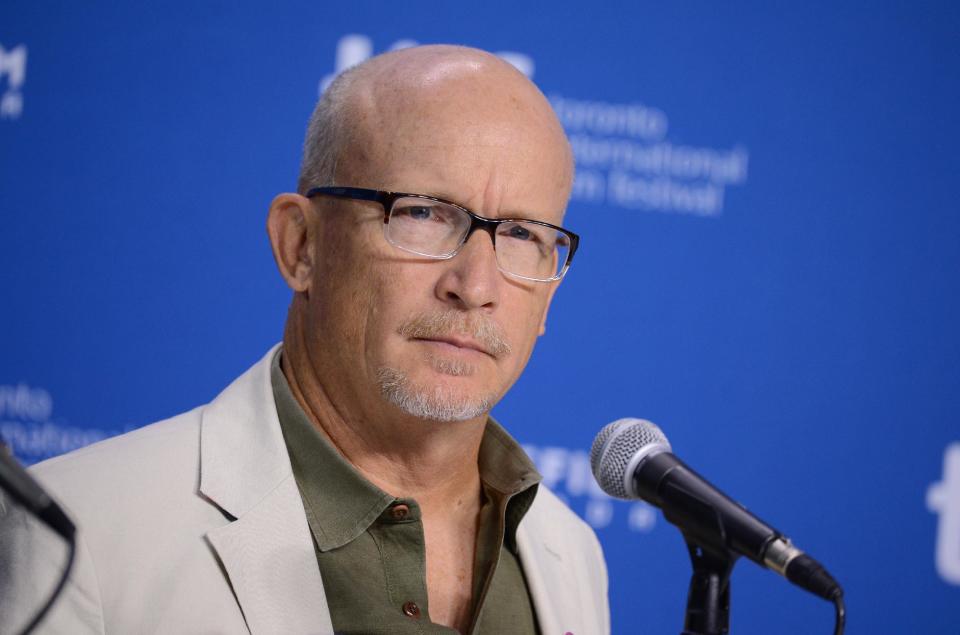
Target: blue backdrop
<point>770,264</point>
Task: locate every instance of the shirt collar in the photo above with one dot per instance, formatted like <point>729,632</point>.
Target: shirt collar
<point>341,504</point>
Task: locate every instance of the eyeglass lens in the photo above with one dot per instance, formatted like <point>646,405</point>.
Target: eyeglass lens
<point>435,229</point>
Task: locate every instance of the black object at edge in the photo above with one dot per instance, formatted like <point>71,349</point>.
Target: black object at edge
<point>72,545</point>
<point>24,489</point>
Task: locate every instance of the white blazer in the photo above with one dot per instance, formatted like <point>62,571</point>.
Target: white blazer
<point>195,525</point>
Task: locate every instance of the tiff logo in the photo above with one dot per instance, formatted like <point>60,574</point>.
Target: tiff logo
<point>354,49</point>
<point>13,64</point>
<point>944,498</point>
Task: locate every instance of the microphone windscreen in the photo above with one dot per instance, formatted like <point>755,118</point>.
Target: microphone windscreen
<point>617,450</point>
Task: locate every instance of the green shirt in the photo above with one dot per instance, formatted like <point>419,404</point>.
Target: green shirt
<point>370,545</point>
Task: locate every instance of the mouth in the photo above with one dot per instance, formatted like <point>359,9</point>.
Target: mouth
<point>453,343</point>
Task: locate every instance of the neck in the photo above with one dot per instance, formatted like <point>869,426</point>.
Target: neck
<point>434,462</point>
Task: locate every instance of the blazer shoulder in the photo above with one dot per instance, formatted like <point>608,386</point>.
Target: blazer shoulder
<point>174,434</point>
<point>138,464</point>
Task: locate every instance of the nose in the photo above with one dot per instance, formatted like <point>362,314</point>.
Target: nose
<point>471,279</point>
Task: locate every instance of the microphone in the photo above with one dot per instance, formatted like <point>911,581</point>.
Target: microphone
<point>631,458</point>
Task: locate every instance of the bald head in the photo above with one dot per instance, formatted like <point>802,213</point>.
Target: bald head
<point>425,99</point>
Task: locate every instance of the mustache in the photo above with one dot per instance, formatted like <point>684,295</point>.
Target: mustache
<point>481,330</point>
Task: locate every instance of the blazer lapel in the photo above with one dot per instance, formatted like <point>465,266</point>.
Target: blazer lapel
<point>272,567</point>
<point>549,579</point>
<point>267,551</point>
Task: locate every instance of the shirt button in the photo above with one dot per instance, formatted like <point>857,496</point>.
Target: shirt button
<point>399,512</point>
<point>410,609</point>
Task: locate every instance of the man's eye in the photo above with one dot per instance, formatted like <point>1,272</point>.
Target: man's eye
<point>418,212</point>
<point>520,233</point>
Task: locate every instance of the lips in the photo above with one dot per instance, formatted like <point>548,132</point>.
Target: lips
<point>457,342</point>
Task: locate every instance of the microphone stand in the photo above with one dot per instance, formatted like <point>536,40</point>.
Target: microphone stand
<point>708,598</point>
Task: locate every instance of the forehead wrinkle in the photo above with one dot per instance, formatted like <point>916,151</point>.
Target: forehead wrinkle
<point>491,196</point>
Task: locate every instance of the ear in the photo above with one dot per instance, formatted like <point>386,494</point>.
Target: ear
<point>291,236</point>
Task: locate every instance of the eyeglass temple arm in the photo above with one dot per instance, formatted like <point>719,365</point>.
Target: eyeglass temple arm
<point>574,243</point>
<point>358,193</point>
<point>351,192</point>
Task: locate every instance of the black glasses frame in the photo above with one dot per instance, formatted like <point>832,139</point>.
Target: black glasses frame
<point>489,225</point>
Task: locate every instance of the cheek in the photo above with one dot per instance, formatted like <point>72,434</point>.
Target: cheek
<point>394,292</point>
<point>344,293</point>
<point>378,298</point>
<point>523,324</point>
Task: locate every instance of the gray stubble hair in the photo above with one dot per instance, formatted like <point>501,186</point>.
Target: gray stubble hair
<point>326,133</point>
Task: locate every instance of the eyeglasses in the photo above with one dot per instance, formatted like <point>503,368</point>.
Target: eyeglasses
<point>434,228</point>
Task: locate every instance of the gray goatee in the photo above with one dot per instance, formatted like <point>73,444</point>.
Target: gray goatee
<point>435,401</point>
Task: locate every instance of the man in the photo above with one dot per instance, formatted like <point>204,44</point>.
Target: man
<point>351,481</point>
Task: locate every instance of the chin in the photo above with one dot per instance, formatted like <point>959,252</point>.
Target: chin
<point>439,399</point>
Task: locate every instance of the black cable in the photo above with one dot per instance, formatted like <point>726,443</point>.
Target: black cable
<point>841,610</point>
<point>56,592</point>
